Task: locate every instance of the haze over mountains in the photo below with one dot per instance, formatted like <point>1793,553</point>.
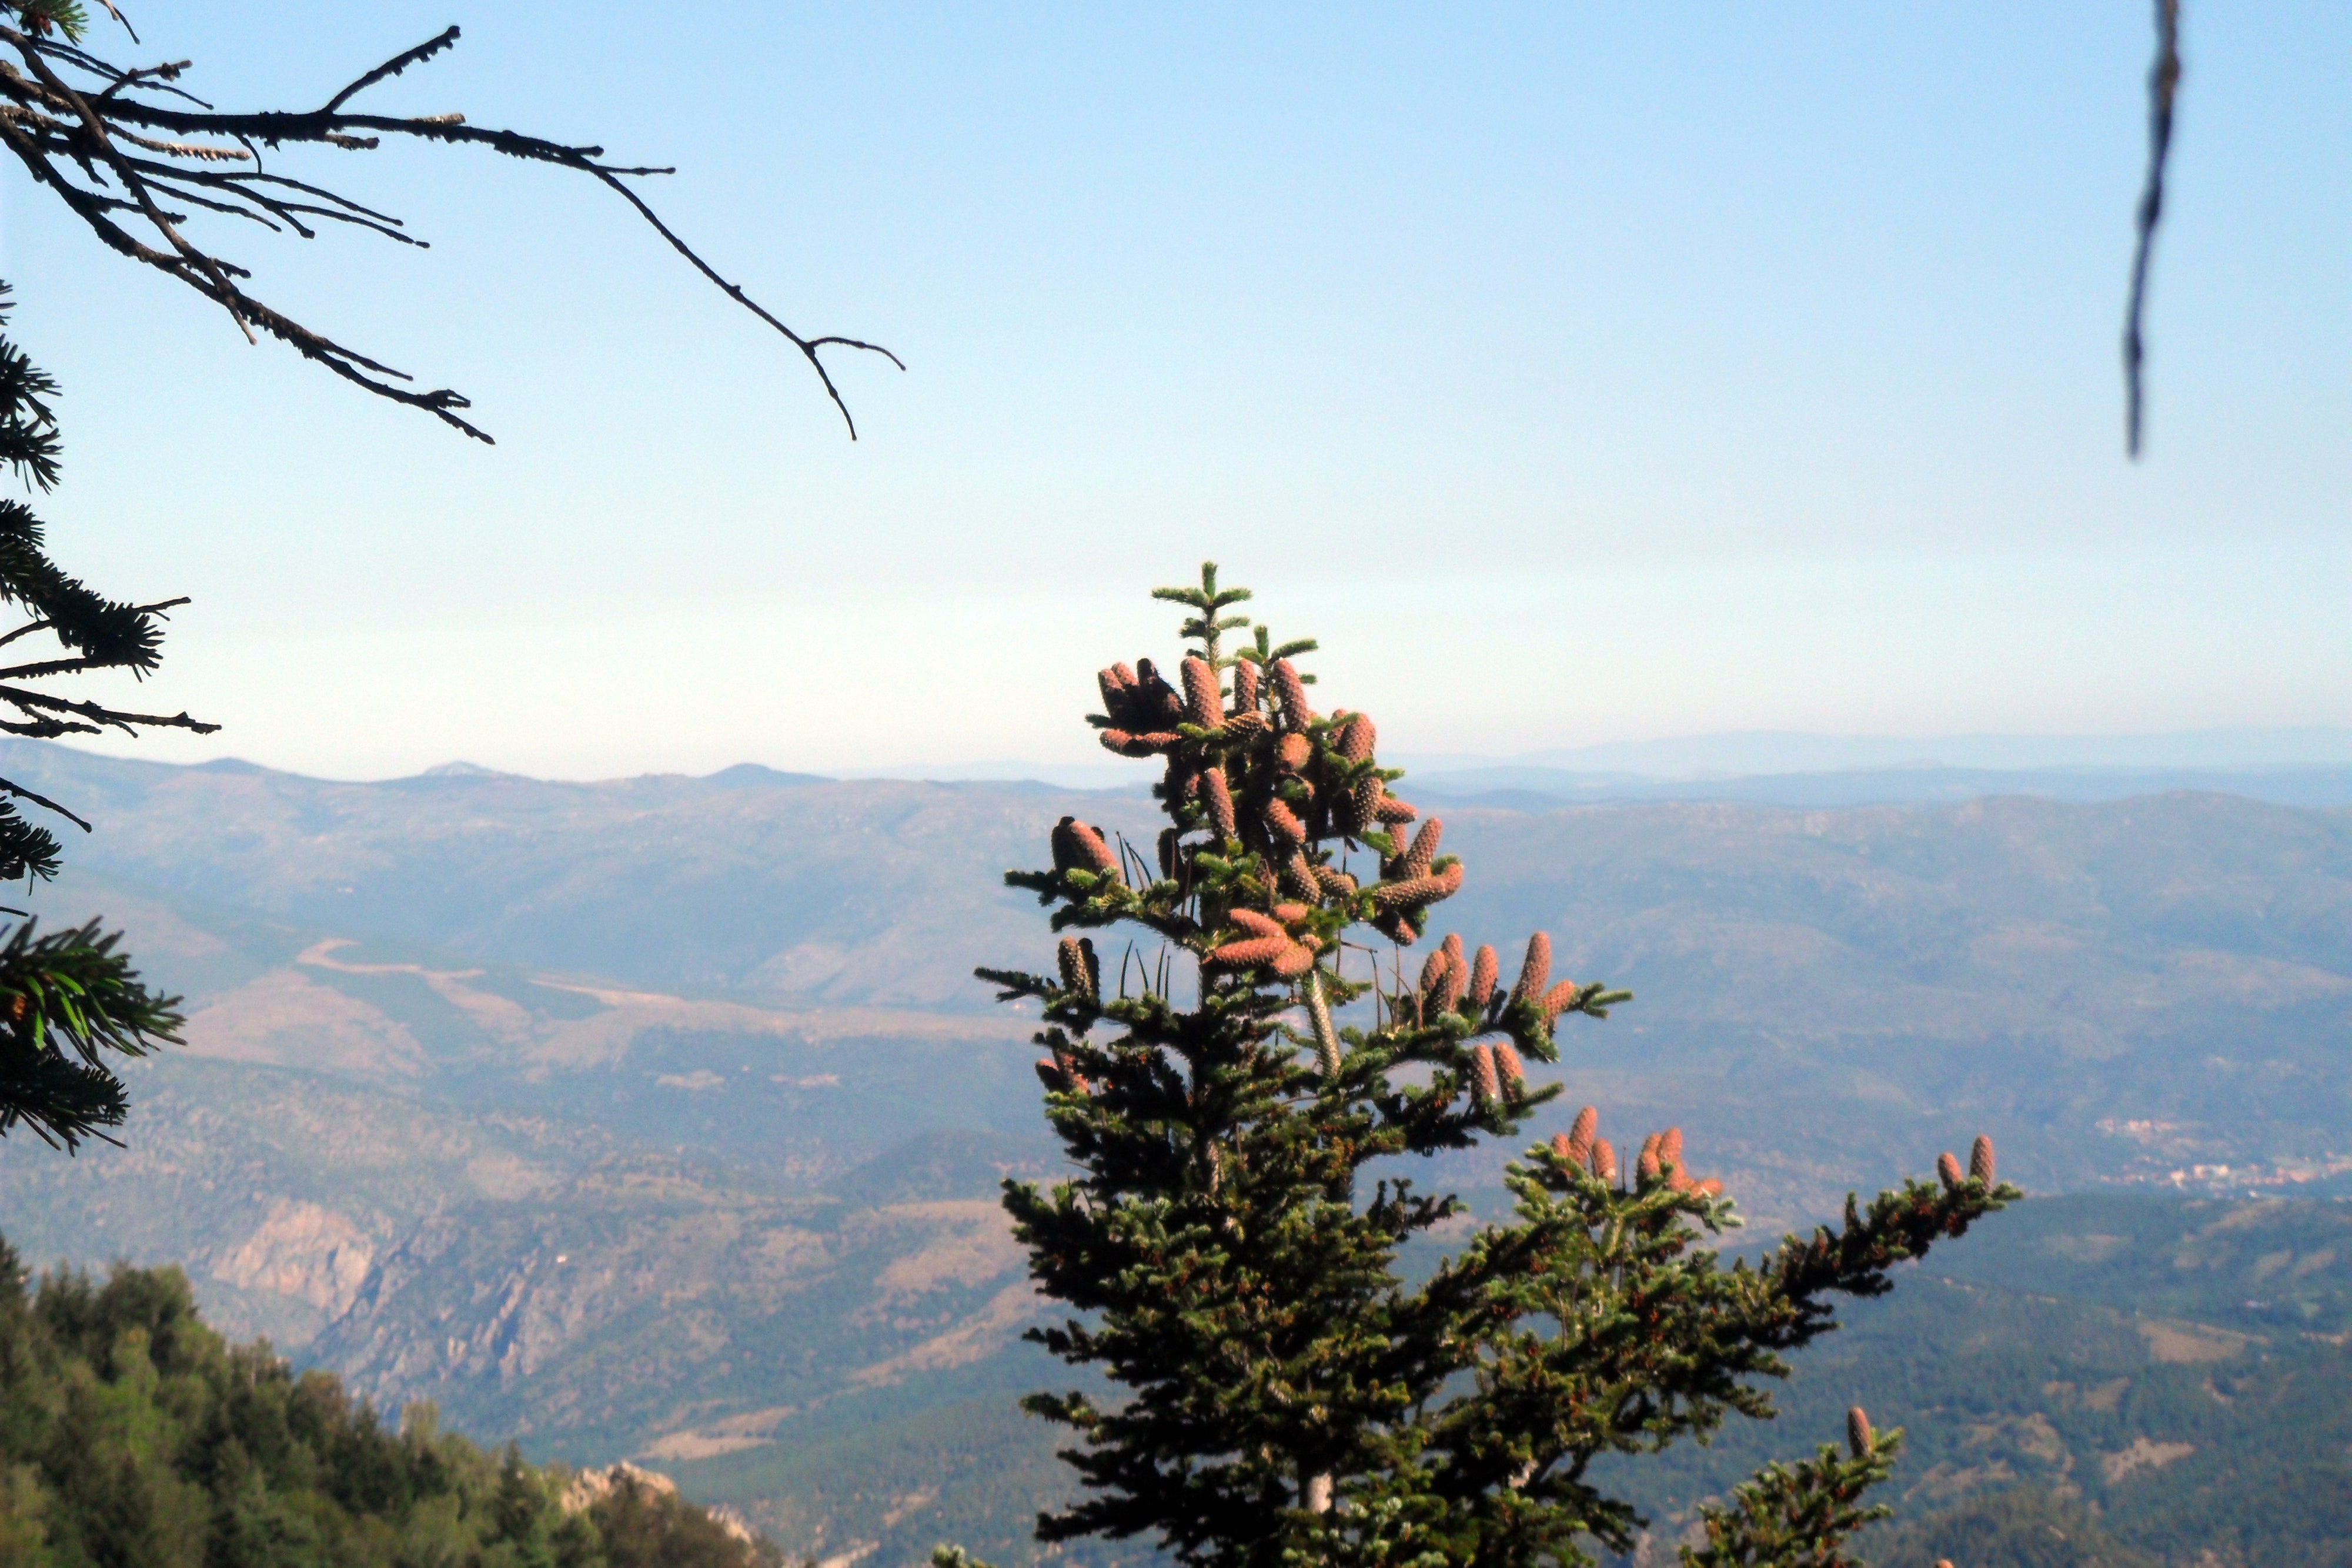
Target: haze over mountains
<point>662,1117</point>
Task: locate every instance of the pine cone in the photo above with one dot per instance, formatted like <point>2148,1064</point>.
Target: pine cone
<point>1432,975</point>
<point>1980,1161</point>
<point>1117,686</point>
<point>1710,1188</point>
<point>1483,1083</point>
<point>1244,724</point>
<point>1284,824</point>
<point>1355,809</point>
<point>1293,753</point>
<point>1072,959</point>
<point>1483,972</point>
<point>1581,1132</point>
<point>1450,984</point>
<point>1515,1071</point>
<point>1424,851</point>
<point>1257,924</point>
<point>1358,738</point>
<point>1245,686</point>
<point>1299,876</point>
<point>1536,973</point>
<point>1294,961</point>
<point>1219,797</point>
<point>1645,1165</point>
<point>1559,998</point>
<point>1204,705</point>
<point>1947,1170</point>
<point>1670,1148</point>
<point>1157,706</point>
<point>1604,1159</point>
<point>1858,1435</point>
<point>1291,693</point>
<point>1089,851</point>
<point>1386,808</point>
<point>1335,882</point>
<point>1392,896</point>
<point>1252,951</point>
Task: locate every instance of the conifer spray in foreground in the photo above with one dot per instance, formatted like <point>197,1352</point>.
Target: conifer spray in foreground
<point>1282,1397</point>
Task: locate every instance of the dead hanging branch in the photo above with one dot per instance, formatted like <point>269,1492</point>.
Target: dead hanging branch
<point>2163,83</point>
<point>134,155</point>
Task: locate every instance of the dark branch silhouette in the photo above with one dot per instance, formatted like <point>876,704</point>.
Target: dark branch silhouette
<point>132,154</point>
<point>2163,83</point>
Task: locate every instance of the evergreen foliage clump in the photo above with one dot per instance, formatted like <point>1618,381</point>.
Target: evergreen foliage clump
<point>66,997</point>
<point>1284,1396</point>
<point>132,1436</point>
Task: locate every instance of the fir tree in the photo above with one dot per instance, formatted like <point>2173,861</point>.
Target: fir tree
<point>66,997</point>
<point>1284,1396</point>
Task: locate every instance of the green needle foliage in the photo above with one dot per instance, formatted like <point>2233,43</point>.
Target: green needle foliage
<point>70,996</point>
<point>131,1433</point>
<point>1285,1396</point>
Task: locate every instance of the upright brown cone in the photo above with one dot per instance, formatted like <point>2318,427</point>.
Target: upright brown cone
<point>1536,973</point>
<point>1858,1435</point>
<point>1204,703</point>
<point>1483,1083</point>
<point>1291,693</point>
<point>1219,797</point>
<point>1416,860</point>
<point>1581,1133</point>
<point>1244,687</point>
<point>1980,1160</point>
<point>1484,972</point>
<point>1947,1168</point>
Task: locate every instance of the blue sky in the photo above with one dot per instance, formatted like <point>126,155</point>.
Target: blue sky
<point>1578,374</point>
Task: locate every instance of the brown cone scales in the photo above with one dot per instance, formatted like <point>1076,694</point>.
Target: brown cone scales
<point>1484,972</point>
<point>1417,859</point>
<point>1219,797</point>
<point>1947,1169</point>
<point>1244,687</point>
<point>1204,705</point>
<point>1291,693</point>
<point>1358,738</point>
<point>1582,1132</point>
<point>1980,1161</point>
<point>1604,1159</point>
<point>1484,1083</point>
<point>1858,1435</point>
<point>1514,1071</point>
<point>1535,973</point>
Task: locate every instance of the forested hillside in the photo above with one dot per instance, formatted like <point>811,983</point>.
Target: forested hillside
<point>131,1433</point>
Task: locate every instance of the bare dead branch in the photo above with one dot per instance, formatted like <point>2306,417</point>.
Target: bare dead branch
<point>110,150</point>
<point>2163,83</point>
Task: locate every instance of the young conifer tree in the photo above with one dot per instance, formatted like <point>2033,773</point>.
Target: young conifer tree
<point>66,997</point>
<point>1283,1396</point>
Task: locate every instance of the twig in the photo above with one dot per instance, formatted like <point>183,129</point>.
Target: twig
<point>2163,83</point>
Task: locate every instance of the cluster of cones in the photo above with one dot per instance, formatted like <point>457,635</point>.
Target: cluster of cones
<point>1661,1156</point>
<point>1980,1164</point>
<point>1271,774</point>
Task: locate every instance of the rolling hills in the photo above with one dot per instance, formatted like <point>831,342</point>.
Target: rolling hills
<point>660,1117</point>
